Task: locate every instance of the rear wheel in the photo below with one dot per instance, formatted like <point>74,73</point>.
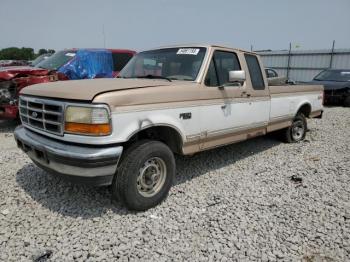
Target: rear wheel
<point>297,131</point>
<point>145,175</point>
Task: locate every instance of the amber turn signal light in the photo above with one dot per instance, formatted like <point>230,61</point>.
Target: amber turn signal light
<point>88,129</point>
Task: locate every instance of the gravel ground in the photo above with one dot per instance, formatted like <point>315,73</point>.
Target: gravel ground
<point>236,203</point>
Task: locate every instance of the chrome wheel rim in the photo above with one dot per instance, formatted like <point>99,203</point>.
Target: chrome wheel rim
<point>151,177</point>
<point>298,130</point>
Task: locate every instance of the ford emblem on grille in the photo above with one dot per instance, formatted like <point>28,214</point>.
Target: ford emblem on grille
<point>35,114</point>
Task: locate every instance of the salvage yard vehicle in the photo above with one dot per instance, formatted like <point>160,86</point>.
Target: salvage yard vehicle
<point>271,73</point>
<point>69,64</point>
<point>124,132</point>
<point>8,63</point>
<point>40,58</point>
<point>274,79</point>
<point>336,84</point>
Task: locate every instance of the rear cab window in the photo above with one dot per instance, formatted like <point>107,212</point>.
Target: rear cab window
<point>255,72</point>
<point>221,63</point>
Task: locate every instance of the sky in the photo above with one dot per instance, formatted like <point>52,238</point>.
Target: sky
<point>143,24</point>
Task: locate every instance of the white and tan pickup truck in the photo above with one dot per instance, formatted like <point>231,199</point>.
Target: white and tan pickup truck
<point>124,132</point>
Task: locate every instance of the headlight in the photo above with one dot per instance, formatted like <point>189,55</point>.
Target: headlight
<point>6,91</point>
<point>87,121</point>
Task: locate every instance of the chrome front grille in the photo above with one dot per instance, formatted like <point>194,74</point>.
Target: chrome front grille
<point>43,114</point>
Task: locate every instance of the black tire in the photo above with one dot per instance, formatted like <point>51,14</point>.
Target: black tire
<point>347,101</point>
<point>289,134</point>
<point>133,169</point>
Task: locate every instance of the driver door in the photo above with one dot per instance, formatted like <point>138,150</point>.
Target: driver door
<point>228,113</point>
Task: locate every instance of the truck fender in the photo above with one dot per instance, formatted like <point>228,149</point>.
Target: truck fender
<point>127,127</point>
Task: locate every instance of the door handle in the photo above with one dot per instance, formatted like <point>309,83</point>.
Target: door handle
<point>245,94</point>
<point>223,107</point>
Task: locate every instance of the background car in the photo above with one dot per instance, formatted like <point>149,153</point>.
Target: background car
<point>270,73</point>
<point>274,79</point>
<point>39,59</point>
<point>7,63</point>
<point>69,64</point>
<point>336,84</point>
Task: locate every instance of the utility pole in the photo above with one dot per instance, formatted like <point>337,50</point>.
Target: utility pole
<point>289,54</point>
<point>332,54</point>
<point>104,35</point>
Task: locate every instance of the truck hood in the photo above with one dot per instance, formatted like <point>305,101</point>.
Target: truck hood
<point>8,73</point>
<point>87,89</point>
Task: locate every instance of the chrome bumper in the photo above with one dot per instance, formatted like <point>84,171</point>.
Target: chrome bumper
<point>80,163</point>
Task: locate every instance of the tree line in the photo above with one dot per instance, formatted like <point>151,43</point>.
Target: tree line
<point>24,53</point>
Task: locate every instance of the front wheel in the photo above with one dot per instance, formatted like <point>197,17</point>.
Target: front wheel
<point>145,175</point>
<point>297,131</point>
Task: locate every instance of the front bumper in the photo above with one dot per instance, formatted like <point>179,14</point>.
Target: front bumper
<point>78,163</point>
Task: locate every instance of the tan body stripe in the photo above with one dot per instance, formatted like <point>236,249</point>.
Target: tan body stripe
<point>193,103</point>
<point>228,136</point>
<point>294,94</point>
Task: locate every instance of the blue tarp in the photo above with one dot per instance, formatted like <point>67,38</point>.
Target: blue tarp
<point>88,64</point>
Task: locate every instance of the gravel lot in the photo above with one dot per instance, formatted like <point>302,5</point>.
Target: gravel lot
<point>236,203</point>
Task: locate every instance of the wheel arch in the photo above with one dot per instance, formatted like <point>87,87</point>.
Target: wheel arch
<point>168,134</point>
<point>304,108</point>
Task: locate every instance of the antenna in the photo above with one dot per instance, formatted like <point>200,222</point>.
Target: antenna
<point>104,35</point>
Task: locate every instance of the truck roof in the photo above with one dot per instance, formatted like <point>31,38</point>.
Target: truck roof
<point>201,45</point>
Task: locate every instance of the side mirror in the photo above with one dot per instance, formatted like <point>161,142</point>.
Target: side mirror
<point>236,76</point>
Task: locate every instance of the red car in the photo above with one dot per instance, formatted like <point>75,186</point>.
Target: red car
<point>69,64</point>
<point>4,63</point>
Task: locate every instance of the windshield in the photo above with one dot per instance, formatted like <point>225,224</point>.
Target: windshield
<point>39,59</point>
<point>57,60</point>
<point>333,75</point>
<point>171,63</point>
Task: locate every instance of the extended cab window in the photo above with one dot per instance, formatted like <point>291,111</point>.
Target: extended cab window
<point>120,60</point>
<point>255,72</point>
<point>221,63</point>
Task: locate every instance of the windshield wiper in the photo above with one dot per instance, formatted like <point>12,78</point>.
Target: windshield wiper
<point>155,77</point>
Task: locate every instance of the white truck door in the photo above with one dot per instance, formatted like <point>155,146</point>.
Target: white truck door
<point>229,112</point>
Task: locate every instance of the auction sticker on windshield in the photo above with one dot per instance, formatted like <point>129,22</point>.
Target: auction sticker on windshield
<point>188,51</point>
